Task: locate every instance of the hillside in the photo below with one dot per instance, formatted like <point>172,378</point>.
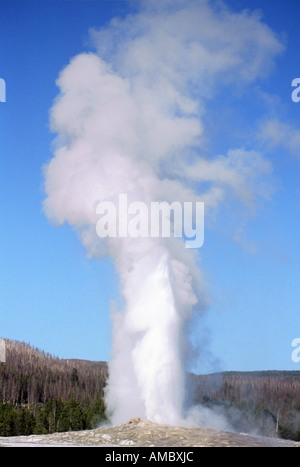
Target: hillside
<point>264,402</point>
<point>40,393</point>
<point>32,376</point>
<point>280,390</point>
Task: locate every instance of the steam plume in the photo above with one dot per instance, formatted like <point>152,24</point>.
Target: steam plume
<point>130,118</point>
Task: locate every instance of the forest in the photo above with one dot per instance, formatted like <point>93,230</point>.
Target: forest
<point>265,403</point>
<point>41,394</point>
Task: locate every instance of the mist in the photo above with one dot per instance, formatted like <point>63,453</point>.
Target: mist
<point>130,118</point>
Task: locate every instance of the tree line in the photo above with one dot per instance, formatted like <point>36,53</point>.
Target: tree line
<point>40,393</point>
<point>265,402</point>
<point>54,416</point>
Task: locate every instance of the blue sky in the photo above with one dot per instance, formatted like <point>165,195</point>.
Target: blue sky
<point>52,296</point>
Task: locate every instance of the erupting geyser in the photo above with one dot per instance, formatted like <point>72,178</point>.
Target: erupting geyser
<point>130,119</point>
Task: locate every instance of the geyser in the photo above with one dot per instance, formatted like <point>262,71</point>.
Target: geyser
<point>130,118</point>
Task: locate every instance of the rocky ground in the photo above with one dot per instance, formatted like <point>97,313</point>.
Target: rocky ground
<point>137,432</point>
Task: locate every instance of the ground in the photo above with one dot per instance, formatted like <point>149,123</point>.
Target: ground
<point>137,432</point>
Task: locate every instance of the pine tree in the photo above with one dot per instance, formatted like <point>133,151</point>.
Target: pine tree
<point>74,377</point>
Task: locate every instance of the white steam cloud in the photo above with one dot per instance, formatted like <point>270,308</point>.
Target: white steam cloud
<point>130,118</point>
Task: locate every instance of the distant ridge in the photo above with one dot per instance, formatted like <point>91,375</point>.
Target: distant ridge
<point>268,401</point>
<point>260,373</point>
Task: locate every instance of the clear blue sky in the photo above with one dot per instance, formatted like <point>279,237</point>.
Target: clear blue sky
<point>55,298</point>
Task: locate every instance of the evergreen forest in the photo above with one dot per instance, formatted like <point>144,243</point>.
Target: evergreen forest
<point>42,394</point>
